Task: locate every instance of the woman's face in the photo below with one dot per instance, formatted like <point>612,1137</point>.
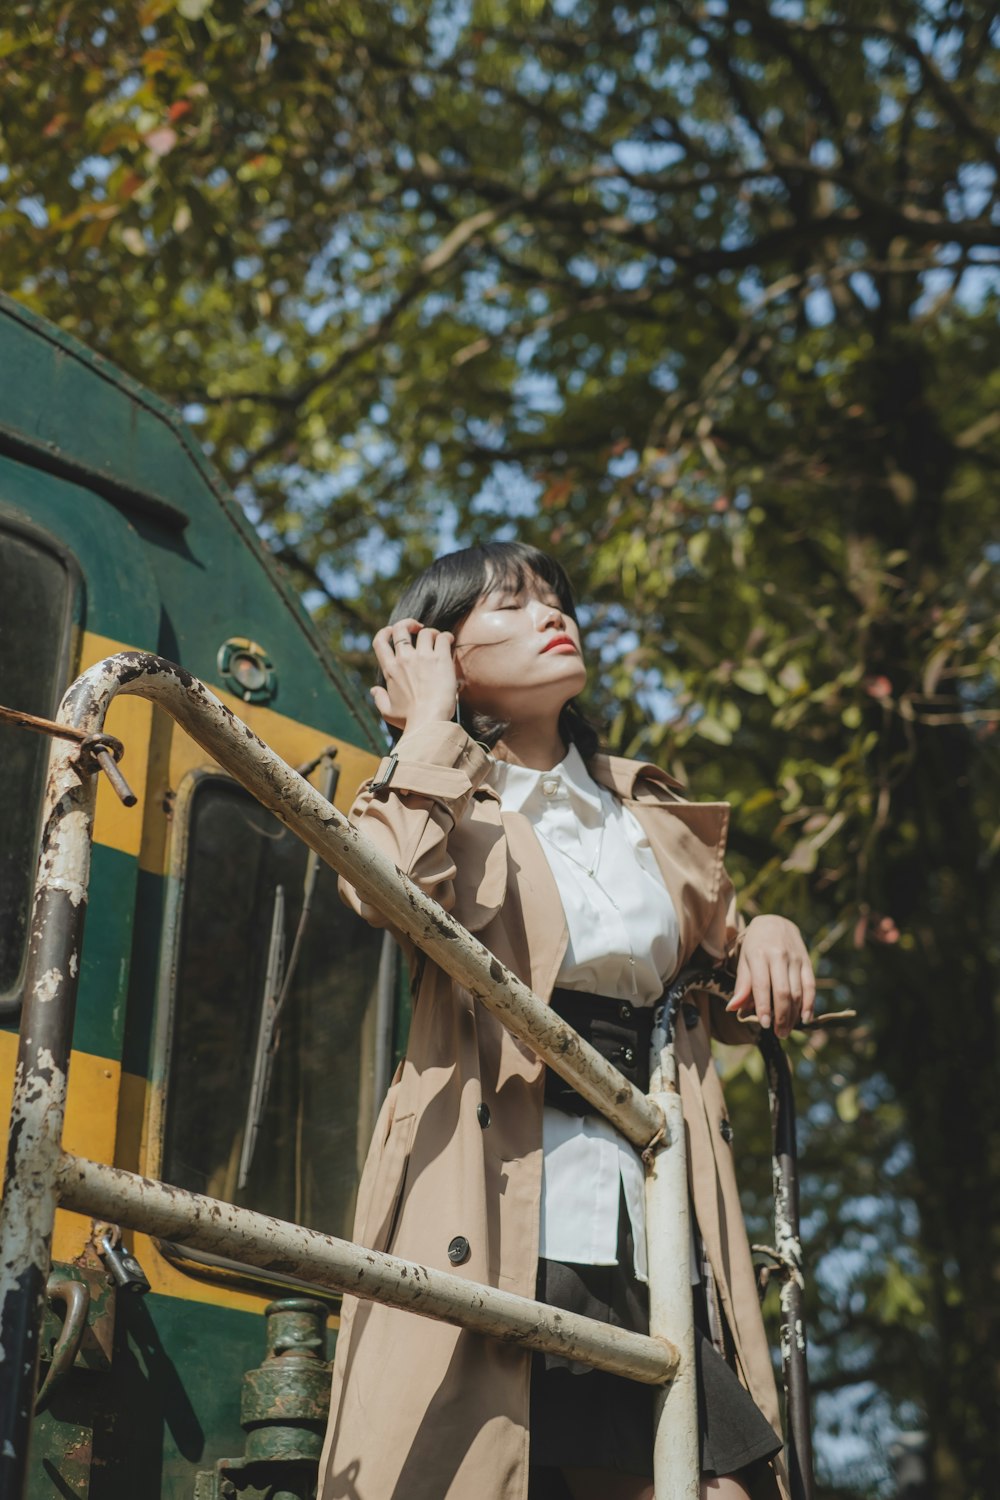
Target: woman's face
<point>517,653</point>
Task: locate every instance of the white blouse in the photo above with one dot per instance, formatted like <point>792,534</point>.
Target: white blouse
<point>623,943</point>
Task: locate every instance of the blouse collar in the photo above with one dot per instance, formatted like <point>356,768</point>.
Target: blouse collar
<point>522,789</point>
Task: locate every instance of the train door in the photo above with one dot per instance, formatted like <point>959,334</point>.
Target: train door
<point>75,582</point>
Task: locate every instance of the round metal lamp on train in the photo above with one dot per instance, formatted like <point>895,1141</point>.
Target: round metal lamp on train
<point>247,670</point>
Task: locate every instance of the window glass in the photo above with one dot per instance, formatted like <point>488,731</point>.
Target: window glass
<point>34,602</point>
<point>316,1123</point>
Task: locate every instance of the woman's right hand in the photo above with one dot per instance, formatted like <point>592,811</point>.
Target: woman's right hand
<point>417,663</point>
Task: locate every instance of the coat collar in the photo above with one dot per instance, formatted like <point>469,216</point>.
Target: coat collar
<point>633,780</point>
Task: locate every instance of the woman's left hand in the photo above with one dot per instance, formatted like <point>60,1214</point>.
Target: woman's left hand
<point>775,973</point>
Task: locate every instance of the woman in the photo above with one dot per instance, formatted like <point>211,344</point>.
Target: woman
<point>591,879</point>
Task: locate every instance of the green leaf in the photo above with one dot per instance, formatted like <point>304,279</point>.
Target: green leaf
<point>730,716</point>
<point>697,547</point>
<point>792,678</point>
<point>751,679</point>
<point>713,729</point>
<point>803,858</point>
<point>847,1105</point>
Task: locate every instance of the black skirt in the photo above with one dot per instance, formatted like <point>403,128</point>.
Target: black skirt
<point>587,1419</point>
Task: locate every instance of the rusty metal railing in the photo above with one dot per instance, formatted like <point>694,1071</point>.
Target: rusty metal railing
<point>40,1174</point>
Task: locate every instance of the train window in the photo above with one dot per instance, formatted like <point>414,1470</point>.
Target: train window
<point>36,598</point>
<point>306,1096</point>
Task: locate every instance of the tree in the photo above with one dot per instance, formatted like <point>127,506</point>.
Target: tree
<point>704,295</point>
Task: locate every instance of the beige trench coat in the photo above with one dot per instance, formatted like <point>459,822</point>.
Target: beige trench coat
<point>422,1410</point>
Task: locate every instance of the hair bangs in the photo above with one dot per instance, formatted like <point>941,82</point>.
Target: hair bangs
<point>515,565</point>
<point>443,594</point>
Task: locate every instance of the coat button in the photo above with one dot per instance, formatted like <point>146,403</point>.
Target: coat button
<point>624,1011</point>
<point>627,1056</point>
<point>483,1115</point>
<point>727,1131</point>
<point>692,1016</point>
<point>458,1250</point>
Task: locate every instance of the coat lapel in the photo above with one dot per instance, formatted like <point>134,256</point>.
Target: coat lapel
<point>478,849</point>
<point>541,905</point>
<point>688,840</point>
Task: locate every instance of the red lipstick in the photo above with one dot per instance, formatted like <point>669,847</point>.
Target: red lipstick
<point>559,642</point>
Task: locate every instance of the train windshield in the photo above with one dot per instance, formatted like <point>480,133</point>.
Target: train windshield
<point>35,600</point>
<point>305,1088</point>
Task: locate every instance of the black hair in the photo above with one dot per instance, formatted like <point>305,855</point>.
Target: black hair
<point>443,594</point>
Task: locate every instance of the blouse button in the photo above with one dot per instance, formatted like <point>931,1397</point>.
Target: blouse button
<point>727,1131</point>
<point>458,1250</point>
<point>625,1011</point>
<point>691,1016</point>
<point>550,785</point>
<point>483,1114</point>
<point>627,1056</point>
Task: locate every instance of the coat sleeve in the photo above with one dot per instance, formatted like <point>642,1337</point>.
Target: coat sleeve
<point>722,943</point>
<point>411,805</point>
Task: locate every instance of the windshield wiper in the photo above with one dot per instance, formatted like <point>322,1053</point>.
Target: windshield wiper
<point>278,978</point>
<point>264,1055</point>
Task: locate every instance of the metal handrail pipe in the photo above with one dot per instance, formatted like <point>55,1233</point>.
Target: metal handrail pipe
<point>52,973</point>
<point>409,909</point>
<point>676,1441</point>
<point>256,1239</point>
<point>38,1101</point>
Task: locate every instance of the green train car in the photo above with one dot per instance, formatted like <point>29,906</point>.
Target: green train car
<point>114,534</point>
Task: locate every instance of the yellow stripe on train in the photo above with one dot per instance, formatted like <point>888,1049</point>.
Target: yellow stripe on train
<point>158,754</point>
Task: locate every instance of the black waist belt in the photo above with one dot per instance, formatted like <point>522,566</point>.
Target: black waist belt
<point>617,1029</point>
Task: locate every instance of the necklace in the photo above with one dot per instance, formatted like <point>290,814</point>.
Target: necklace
<point>590,869</point>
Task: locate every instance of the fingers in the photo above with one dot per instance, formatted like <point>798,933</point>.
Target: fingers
<point>418,668</point>
<point>808,992</point>
<point>383,704</point>
<point>430,641</point>
<point>383,644</point>
<point>405,635</point>
<point>780,984</point>
<point>760,974</point>
<point>394,641</point>
<point>743,987</point>
<point>402,633</point>
<point>781,980</point>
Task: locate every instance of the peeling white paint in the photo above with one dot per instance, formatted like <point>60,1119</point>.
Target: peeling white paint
<point>205,1223</point>
<point>46,1060</point>
<point>668,1232</point>
<point>65,861</point>
<point>48,985</point>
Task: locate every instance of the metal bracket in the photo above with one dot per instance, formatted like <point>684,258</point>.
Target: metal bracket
<point>76,1296</point>
<point>102,752</point>
<point>98,752</point>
